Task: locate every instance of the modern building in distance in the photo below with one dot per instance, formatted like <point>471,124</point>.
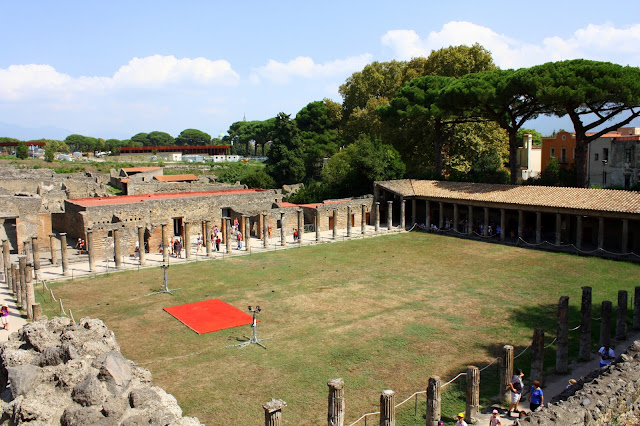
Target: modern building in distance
<point>562,146</point>
<point>614,159</point>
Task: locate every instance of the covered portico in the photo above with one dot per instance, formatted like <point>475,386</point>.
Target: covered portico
<point>602,221</point>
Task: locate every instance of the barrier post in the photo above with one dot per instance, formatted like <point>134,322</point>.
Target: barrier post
<point>388,408</point>
<point>585,325</point>
<point>335,415</point>
<point>605,323</point>
<point>29,296</point>
<point>434,392</point>
<point>636,309</point>
<point>473,394</point>
<point>621,323</point>
<point>506,372</point>
<point>537,355</point>
<point>273,412</point>
<point>562,344</point>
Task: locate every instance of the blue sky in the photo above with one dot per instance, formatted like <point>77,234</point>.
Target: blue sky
<point>116,68</point>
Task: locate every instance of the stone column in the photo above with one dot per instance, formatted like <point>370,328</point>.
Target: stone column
<point>585,325</point>
<point>90,250</point>
<point>317,225</point>
<point>506,372</point>
<point>265,231</point>
<point>388,408</point>
<point>348,221</point>
<point>485,227</point>
<point>22,266</point>
<point>428,214</point>
<point>636,308</point>
<point>558,228</point>
<point>470,220</point>
<point>520,224</point>
<point>65,254</point>
<point>605,323</point>
<point>165,243</point>
<point>562,344</point>
<point>273,412</point>
<point>300,226</point>
<point>223,230</point>
<point>377,214</point>
<point>35,250</point>
<point>227,233</point>
<point>473,394</point>
<point>456,217</point>
<point>621,323</point>
<point>117,247</point>
<point>363,217</point>
<point>6,256</point>
<point>579,232</point>
<point>247,231</point>
<point>537,355</point>
<point>600,233</point>
<point>283,231</point>
<point>335,415</point>
<point>30,297</point>
<point>503,225</point>
<point>440,215</point>
<point>433,400</point>
<point>538,227</point>
<point>389,215</point>
<point>207,236</point>
<point>52,246</point>
<point>335,224</point>
<point>15,280</point>
<point>37,310</point>
<point>414,216</point>
<point>624,244</point>
<point>403,222</point>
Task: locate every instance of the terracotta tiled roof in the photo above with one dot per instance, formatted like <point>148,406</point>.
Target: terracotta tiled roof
<point>128,199</point>
<point>176,178</point>
<point>139,169</point>
<point>608,200</point>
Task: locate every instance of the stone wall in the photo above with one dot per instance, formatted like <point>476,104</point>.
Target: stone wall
<point>56,372</point>
<point>326,209</point>
<point>610,395</point>
<point>155,187</point>
<point>21,218</point>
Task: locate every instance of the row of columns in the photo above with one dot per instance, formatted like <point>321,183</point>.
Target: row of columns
<point>503,223</point>
<point>19,278</point>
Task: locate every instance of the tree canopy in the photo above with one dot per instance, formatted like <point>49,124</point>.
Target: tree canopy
<point>193,137</point>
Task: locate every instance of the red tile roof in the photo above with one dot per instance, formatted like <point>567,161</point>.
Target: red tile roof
<point>607,200</point>
<point>176,178</point>
<point>139,169</point>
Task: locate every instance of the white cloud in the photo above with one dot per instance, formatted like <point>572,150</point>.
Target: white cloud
<point>305,67</point>
<point>153,72</point>
<point>597,42</point>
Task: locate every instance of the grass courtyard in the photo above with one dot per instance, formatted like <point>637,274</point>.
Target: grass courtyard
<point>382,313</point>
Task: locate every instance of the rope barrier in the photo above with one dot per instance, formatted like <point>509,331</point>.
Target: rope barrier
<point>489,365</point>
<point>574,329</point>
<point>414,394</point>
<point>452,380</point>
<point>552,342</point>
<point>575,248</point>
<point>522,353</point>
<point>363,416</point>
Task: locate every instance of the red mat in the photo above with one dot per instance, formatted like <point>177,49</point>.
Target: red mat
<point>209,315</point>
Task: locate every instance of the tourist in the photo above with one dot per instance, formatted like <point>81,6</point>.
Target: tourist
<point>461,421</point>
<point>4,314</point>
<point>571,383</point>
<point>218,243</point>
<point>494,420</point>
<point>516,386</point>
<point>179,248</point>
<point>537,397</point>
<point>295,234</point>
<point>239,238</point>
<point>606,355</point>
<point>199,243</point>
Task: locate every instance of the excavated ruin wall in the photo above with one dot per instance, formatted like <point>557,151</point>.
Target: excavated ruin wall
<point>57,372</point>
<point>606,396</point>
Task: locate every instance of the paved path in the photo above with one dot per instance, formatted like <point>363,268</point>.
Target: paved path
<point>15,319</point>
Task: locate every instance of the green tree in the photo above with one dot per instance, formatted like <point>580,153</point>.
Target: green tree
<point>49,154</point>
<point>352,171</point>
<point>22,150</point>
<point>156,138</point>
<point>536,137</point>
<point>193,137</point>
<point>140,138</point>
<point>285,163</point>
<point>598,97</point>
<point>259,179</point>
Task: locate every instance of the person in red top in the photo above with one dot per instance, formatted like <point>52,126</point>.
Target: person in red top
<point>4,315</point>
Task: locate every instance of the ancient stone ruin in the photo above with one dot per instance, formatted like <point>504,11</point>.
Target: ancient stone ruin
<point>606,396</point>
<point>57,372</point>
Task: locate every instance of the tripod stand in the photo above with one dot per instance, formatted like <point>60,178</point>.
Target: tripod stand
<point>165,288</point>
<point>254,337</point>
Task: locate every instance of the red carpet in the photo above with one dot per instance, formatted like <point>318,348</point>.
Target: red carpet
<point>209,315</point>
